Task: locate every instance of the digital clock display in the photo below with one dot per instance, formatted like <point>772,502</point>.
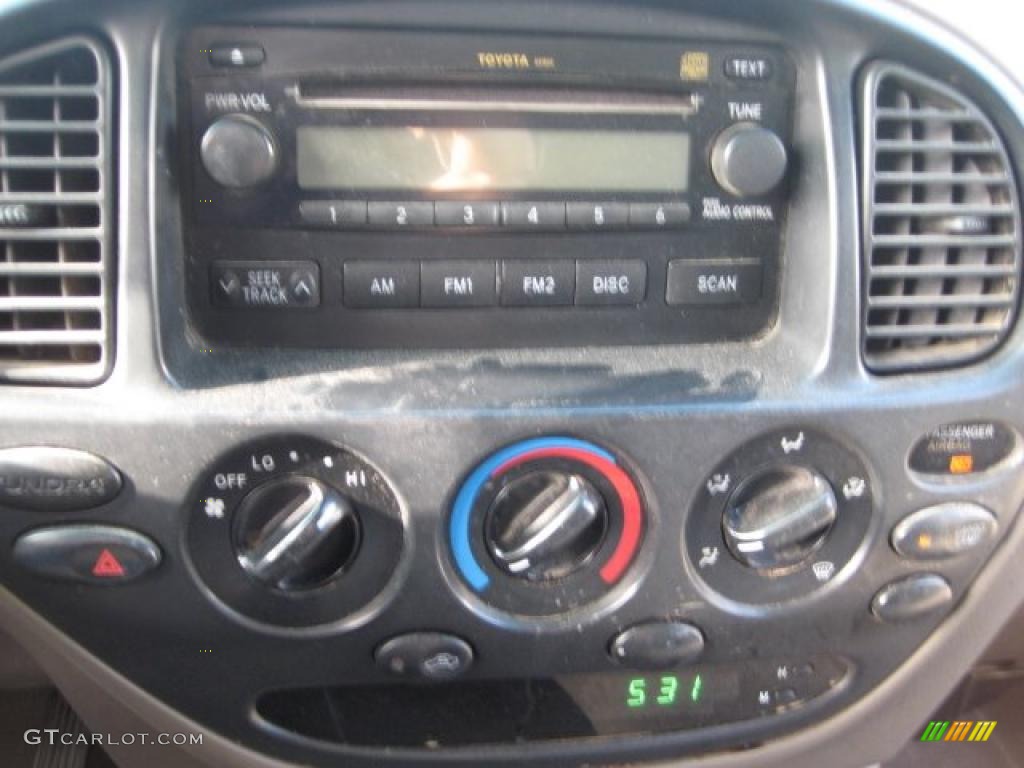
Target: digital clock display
<point>613,702</point>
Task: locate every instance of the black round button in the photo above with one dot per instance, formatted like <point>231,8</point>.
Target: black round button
<point>748,160</point>
<point>239,152</point>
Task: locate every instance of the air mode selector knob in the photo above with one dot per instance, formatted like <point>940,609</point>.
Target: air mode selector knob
<point>239,152</point>
<point>545,525</point>
<point>748,159</point>
<point>778,517</point>
<point>295,533</point>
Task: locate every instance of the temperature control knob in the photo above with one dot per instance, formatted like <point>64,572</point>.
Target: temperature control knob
<point>295,533</point>
<point>546,524</point>
<point>778,517</point>
<point>748,160</point>
<point>239,152</point>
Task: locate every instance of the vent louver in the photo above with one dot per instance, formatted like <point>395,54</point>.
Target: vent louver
<point>56,256</point>
<point>942,226</point>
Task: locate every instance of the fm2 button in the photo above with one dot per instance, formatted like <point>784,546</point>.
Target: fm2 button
<point>535,283</point>
<point>446,284</point>
<point>431,656</point>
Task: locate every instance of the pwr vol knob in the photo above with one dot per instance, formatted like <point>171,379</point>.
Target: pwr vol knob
<point>546,526</point>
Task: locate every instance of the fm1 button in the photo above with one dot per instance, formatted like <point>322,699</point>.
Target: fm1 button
<point>458,283</point>
<point>611,283</point>
<point>536,283</point>
<point>90,554</point>
<point>657,645</point>
<point>425,655</point>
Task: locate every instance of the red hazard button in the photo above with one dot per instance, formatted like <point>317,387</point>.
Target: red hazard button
<point>93,554</point>
<point>107,565</point>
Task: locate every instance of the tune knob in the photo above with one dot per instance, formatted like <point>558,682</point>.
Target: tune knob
<point>748,160</point>
<point>545,525</point>
<point>778,517</point>
<point>239,152</point>
<point>295,533</point>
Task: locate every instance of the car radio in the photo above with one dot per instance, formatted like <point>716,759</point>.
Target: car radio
<point>355,189</point>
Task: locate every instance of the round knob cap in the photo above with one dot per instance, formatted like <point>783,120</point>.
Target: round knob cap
<point>238,152</point>
<point>778,517</point>
<point>295,533</point>
<point>545,525</point>
<point>748,160</point>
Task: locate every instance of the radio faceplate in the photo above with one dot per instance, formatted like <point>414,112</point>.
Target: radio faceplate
<point>363,189</point>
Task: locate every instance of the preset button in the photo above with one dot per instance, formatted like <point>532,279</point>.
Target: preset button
<point>411,215</point>
<point>597,215</point>
<point>458,283</point>
<point>339,214</point>
<point>533,216</point>
<point>471,215</point>
<point>658,215</point>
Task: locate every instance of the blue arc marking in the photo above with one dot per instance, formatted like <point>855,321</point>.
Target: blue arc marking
<point>463,507</point>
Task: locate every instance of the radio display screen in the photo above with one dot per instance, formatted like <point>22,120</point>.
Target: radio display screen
<point>432,159</point>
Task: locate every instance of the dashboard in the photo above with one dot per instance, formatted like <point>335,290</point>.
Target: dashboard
<point>473,383</point>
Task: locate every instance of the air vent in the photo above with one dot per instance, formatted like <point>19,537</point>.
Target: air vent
<point>942,226</point>
<point>56,256</point>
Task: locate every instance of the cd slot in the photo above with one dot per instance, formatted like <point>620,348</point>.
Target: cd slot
<point>336,95</point>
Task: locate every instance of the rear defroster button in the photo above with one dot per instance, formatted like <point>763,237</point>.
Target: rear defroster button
<point>426,655</point>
